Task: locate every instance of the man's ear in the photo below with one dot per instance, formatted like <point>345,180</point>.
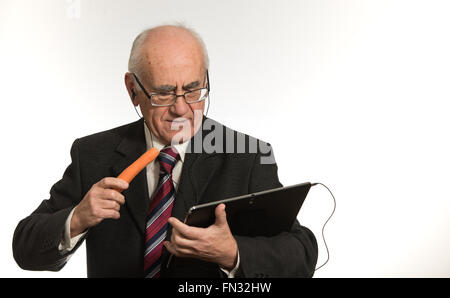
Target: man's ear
<point>129,83</point>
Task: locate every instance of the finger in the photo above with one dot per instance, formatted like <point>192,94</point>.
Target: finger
<point>177,251</point>
<point>170,247</point>
<point>221,215</point>
<point>184,252</point>
<point>109,213</point>
<point>109,204</point>
<point>111,194</point>
<point>113,183</point>
<point>187,231</point>
<point>180,241</point>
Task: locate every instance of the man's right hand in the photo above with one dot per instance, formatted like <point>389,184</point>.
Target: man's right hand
<point>100,202</point>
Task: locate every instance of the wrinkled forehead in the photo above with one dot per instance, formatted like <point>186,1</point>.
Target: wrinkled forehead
<point>173,61</point>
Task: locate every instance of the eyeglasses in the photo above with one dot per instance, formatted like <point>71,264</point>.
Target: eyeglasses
<point>166,99</point>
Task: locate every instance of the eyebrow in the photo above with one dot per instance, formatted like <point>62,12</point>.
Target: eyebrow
<point>172,88</point>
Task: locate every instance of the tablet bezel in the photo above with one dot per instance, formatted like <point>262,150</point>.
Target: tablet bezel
<point>291,208</point>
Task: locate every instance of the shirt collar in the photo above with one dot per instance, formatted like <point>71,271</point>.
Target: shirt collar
<point>152,141</point>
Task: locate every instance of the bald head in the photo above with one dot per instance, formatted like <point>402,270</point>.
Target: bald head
<point>162,44</point>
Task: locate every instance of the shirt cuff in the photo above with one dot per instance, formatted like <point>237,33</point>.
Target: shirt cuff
<point>234,270</point>
<point>67,243</point>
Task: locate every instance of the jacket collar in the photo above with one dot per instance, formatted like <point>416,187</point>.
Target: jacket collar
<point>130,148</point>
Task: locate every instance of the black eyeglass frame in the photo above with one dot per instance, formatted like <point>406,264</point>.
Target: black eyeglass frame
<point>149,96</point>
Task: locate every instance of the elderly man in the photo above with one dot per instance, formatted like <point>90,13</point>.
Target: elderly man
<point>131,230</point>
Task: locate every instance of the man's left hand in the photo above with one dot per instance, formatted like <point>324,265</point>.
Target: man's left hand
<point>213,244</point>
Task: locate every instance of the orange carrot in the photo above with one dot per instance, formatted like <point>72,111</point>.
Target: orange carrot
<point>132,170</point>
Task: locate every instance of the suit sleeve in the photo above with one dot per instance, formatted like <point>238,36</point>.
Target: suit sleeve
<point>37,237</point>
<point>289,254</point>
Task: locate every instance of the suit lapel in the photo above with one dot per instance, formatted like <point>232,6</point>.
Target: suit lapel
<point>198,170</point>
<point>131,148</point>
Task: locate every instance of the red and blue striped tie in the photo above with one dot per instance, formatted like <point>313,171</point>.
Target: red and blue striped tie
<point>159,212</point>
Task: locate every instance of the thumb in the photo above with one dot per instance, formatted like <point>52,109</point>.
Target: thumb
<point>221,215</point>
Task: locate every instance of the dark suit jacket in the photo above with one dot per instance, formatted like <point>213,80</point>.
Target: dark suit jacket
<point>115,248</point>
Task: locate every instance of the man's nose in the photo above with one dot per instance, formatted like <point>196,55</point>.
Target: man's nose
<point>180,107</point>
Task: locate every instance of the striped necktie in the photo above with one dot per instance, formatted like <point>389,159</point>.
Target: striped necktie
<point>159,212</point>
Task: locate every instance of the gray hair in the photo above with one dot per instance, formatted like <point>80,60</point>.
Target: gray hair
<point>136,58</point>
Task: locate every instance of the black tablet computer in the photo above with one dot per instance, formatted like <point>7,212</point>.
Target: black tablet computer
<point>265,213</point>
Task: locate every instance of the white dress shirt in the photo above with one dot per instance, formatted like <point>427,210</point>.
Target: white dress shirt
<point>67,243</point>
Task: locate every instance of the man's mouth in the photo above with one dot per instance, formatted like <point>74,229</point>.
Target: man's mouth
<point>178,120</point>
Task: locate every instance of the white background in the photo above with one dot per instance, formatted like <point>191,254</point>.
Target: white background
<point>353,94</point>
